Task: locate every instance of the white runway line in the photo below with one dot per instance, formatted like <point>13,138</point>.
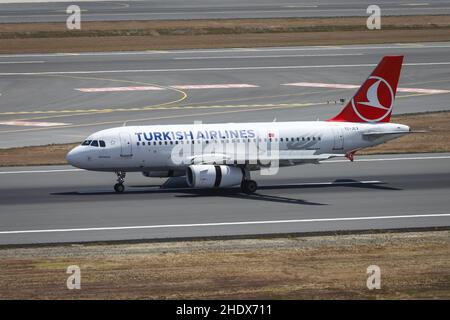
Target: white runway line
<point>352,86</point>
<point>41,171</point>
<point>323,162</point>
<point>20,62</point>
<point>403,46</point>
<point>215,69</point>
<point>390,159</point>
<point>32,124</point>
<point>120,89</point>
<point>215,86</point>
<point>182,87</point>
<point>219,224</point>
<point>270,56</point>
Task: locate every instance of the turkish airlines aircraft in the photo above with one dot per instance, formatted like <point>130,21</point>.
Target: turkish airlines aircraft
<point>223,155</point>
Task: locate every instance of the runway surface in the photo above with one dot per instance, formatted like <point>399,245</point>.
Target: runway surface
<point>57,98</point>
<point>60,204</point>
<point>212,9</point>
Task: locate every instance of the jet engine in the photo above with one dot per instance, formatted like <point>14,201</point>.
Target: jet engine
<point>213,176</point>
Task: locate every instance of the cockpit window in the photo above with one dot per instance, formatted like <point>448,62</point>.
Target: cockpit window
<point>86,142</point>
<point>102,143</point>
<point>94,143</point>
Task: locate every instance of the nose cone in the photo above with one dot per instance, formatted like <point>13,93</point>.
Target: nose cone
<point>73,157</point>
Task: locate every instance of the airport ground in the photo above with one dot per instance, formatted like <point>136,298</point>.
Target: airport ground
<point>16,11</point>
<point>235,33</point>
<point>413,265</point>
<point>61,98</point>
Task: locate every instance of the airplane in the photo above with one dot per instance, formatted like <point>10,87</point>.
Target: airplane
<point>223,155</point>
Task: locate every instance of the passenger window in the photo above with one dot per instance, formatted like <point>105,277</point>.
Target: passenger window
<point>102,143</point>
<point>94,143</point>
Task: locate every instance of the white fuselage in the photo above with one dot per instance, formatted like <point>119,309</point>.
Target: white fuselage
<point>151,149</point>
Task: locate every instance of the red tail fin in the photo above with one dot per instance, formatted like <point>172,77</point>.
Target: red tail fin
<point>374,100</point>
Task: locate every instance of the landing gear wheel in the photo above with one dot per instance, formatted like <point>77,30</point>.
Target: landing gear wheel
<point>249,186</point>
<point>118,187</point>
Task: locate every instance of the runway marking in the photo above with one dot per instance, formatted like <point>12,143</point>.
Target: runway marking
<point>330,183</point>
<point>390,159</point>
<point>41,171</point>
<point>214,69</point>
<point>182,87</point>
<point>248,108</point>
<point>323,162</point>
<point>271,56</point>
<point>216,86</point>
<point>415,4</point>
<point>32,124</point>
<point>405,46</point>
<point>351,86</point>
<point>219,224</point>
<point>116,89</point>
<point>20,62</point>
<point>159,108</point>
<point>300,6</point>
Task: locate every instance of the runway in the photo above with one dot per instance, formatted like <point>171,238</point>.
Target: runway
<point>60,98</point>
<point>207,9</point>
<point>61,204</point>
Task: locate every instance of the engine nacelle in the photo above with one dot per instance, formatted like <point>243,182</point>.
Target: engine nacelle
<point>213,176</point>
<point>162,174</point>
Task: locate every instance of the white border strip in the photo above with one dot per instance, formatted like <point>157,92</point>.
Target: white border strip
<point>325,161</point>
<point>218,224</point>
<point>351,86</point>
<point>41,171</point>
<point>215,69</point>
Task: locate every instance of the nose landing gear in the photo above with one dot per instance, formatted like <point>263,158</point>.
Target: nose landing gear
<point>119,187</point>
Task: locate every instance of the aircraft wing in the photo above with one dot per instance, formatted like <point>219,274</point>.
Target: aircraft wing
<point>291,157</point>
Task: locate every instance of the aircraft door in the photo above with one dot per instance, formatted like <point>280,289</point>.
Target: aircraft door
<point>126,149</point>
<point>338,134</point>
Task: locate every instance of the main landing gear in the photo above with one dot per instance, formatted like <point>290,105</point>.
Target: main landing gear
<point>247,185</point>
<point>119,187</point>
